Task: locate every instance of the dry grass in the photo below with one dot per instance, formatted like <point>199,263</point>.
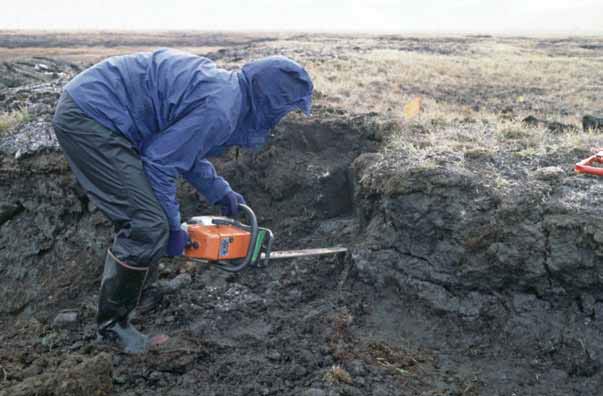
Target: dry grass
<point>500,150</point>
<point>337,374</point>
<point>383,80</point>
<point>12,119</point>
<point>87,55</point>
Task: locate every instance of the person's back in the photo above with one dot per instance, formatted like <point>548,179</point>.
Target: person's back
<point>142,94</point>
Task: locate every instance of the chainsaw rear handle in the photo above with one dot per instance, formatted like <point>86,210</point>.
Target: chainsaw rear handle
<point>584,165</point>
<point>252,228</point>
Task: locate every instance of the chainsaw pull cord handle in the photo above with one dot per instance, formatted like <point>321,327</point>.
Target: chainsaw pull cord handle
<point>254,234</point>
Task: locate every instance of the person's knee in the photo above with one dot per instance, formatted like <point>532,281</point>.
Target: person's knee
<point>149,229</point>
<point>148,236</point>
<point>143,240</point>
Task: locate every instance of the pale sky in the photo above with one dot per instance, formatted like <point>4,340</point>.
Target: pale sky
<point>428,16</point>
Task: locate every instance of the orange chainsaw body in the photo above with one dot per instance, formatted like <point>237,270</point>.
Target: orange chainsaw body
<point>217,242</point>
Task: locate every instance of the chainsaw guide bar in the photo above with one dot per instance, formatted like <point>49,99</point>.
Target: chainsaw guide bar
<point>289,254</point>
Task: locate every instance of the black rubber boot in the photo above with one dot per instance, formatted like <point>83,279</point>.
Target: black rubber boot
<point>120,291</point>
<point>151,294</point>
<point>151,299</point>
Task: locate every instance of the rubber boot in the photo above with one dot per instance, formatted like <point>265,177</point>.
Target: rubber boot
<point>151,294</point>
<point>121,287</point>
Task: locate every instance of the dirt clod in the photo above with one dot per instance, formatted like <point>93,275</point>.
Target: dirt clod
<point>65,319</point>
<point>76,376</point>
<point>592,123</point>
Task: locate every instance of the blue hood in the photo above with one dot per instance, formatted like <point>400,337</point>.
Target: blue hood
<point>271,87</point>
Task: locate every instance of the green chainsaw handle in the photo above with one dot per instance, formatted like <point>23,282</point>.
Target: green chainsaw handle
<point>252,227</point>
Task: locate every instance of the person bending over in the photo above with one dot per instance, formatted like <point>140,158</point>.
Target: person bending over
<point>131,125</point>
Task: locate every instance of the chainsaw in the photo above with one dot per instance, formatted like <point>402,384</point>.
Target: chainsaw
<point>232,246</point>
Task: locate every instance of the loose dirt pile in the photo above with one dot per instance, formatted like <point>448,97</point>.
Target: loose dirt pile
<point>456,284</point>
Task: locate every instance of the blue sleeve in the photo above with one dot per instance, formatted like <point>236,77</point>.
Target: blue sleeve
<point>204,178</point>
<point>174,151</point>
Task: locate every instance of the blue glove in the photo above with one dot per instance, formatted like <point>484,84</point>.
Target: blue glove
<point>176,243</point>
<point>230,204</point>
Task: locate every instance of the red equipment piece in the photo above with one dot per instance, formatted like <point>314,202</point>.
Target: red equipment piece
<point>584,166</point>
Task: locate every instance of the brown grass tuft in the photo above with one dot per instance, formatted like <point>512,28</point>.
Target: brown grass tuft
<point>337,374</point>
<point>12,119</point>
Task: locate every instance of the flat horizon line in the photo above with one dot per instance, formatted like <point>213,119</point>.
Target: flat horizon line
<point>506,33</point>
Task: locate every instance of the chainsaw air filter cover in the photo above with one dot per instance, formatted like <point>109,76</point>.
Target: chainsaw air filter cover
<point>213,242</point>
